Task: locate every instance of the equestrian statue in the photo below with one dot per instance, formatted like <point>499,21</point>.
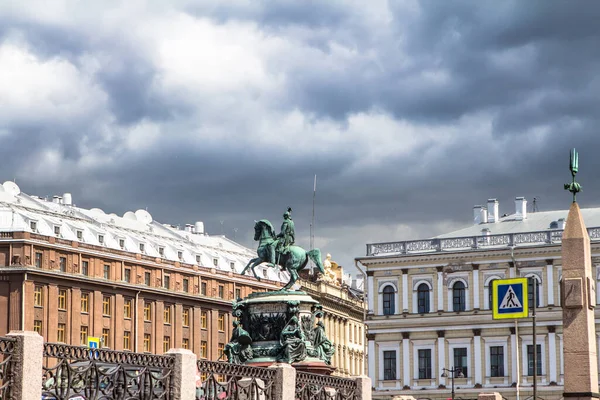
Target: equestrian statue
<point>279,249</point>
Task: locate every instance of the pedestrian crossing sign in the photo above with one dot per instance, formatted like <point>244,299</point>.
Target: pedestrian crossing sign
<point>509,298</point>
<point>93,342</point>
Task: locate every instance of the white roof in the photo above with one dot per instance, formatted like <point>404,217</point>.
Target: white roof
<point>134,232</point>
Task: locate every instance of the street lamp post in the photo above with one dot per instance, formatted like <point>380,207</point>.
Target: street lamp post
<point>452,373</point>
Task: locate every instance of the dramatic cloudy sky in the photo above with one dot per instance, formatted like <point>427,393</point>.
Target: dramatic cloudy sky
<point>408,112</point>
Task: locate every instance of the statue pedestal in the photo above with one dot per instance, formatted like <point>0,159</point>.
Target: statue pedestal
<point>280,327</point>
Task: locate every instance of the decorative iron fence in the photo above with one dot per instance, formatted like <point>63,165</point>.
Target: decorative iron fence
<point>7,367</point>
<point>322,387</point>
<point>221,380</point>
<point>71,371</point>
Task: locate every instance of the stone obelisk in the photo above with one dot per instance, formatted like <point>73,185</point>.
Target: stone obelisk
<point>579,299</point>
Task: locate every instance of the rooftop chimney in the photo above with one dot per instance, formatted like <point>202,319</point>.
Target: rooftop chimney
<point>480,215</point>
<point>56,199</point>
<point>520,208</point>
<point>188,227</point>
<point>493,213</point>
<point>67,199</point>
<point>199,227</point>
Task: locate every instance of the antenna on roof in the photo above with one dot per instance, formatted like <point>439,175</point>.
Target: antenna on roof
<point>221,221</point>
<point>235,233</point>
<point>535,206</point>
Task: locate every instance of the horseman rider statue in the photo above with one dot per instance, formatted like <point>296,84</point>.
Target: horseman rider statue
<point>287,236</point>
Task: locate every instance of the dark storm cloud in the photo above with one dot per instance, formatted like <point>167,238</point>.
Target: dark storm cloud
<point>508,88</point>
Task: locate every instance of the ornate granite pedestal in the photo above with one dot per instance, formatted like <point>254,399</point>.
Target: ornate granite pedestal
<point>279,327</point>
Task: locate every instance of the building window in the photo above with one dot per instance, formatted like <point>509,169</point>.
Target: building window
<point>33,226</point>
<point>186,285</point>
<point>106,271</point>
<point>37,326</point>
<point>216,262</point>
<point>531,282</point>
<point>425,364</point>
<point>122,243</point>
<point>185,343</point>
<point>238,293</point>
<point>106,306</point>
<point>186,317</point>
<point>203,320</point>
<point>147,278</point>
<point>389,300</point>
<point>38,297</point>
<point>221,291</point>
<point>105,337</point>
<point>83,335</point>
<point>161,251</point>
<point>180,255</point>
<point>167,281</point>
<point>203,349</point>
<point>423,298</point>
<point>491,296</point>
<point>167,315</point>
<point>80,237</point>
<point>63,264</point>
<point>127,340</point>
<point>142,247</point>
<point>147,342</point>
<point>458,296</point>
<point>389,365</point>
<point>530,359</point>
<point>460,360</point>
<point>198,259</point>
<point>85,302</point>
<point>496,361</point>
<point>57,230</point>
<point>60,334</point>
<point>203,288</point>
<point>127,275</point>
<point>38,259</point>
<point>220,350</point>
<point>62,299</point>
<point>232,265</point>
<point>101,239</point>
<point>147,312</point>
<point>127,308</point>
<point>85,267</point>
<point>221,322</point>
<point>166,344</point>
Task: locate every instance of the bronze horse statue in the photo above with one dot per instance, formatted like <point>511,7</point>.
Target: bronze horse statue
<point>293,261</point>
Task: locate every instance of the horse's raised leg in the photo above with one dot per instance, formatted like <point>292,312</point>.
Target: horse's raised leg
<point>251,264</point>
<point>293,279</point>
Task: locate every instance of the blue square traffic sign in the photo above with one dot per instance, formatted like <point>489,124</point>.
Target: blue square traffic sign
<point>510,298</point>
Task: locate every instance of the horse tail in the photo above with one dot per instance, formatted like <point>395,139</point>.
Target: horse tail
<point>315,256</point>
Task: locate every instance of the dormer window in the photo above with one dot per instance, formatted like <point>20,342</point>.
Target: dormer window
<point>57,230</point>
<point>198,259</point>
<point>33,226</point>
<point>142,247</point>
<point>216,262</point>
<point>265,273</point>
<point>101,239</point>
<point>232,265</point>
<point>161,251</point>
<point>79,235</point>
<point>180,255</point>
<point>122,243</point>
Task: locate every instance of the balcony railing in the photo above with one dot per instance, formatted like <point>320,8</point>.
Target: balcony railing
<point>471,242</point>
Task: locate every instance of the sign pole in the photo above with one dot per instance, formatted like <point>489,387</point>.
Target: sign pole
<point>517,354</point>
<point>535,360</point>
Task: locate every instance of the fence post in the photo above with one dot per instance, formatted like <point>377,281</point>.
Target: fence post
<point>29,355</point>
<point>184,374</point>
<point>363,387</point>
<point>284,385</point>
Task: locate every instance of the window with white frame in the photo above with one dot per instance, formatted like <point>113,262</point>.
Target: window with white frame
<point>458,294</point>
<point>389,300</point>
<point>534,274</point>
<point>424,363</point>
<point>459,352</point>
<point>424,357</point>
<point>389,367</point>
<point>527,355</point>
<point>496,362</point>
<point>422,296</point>
<point>487,292</point>
<point>530,357</point>
<point>533,283</point>
<point>460,360</point>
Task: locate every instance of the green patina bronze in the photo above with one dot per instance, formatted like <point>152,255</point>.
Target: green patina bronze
<point>573,187</point>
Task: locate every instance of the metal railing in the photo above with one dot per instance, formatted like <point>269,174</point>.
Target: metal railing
<point>7,367</point>
<point>71,371</point>
<point>471,242</point>
<point>322,387</point>
<point>221,380</point>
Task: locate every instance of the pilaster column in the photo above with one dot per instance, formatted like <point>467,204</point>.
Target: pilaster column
<point>441,342</point>
<point>511,270</point>
<point>371,362</point>
<point>597,271</point>
<point>370,294</point>
<point>552,353</point>
<point>475,287</point>
<point>514,375</point>
<point>478,358</point>
<point>440,289</point>
<point>347,344</point>
<point>406,370</point>
<point>550,281</point>
<point>404,291</point>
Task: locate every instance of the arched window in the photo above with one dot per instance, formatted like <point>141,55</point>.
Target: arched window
<point>423,298</point>
<point>458,297</point>
<point>531,283</point>
<point>388,300</point>
<point>491,294</point>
